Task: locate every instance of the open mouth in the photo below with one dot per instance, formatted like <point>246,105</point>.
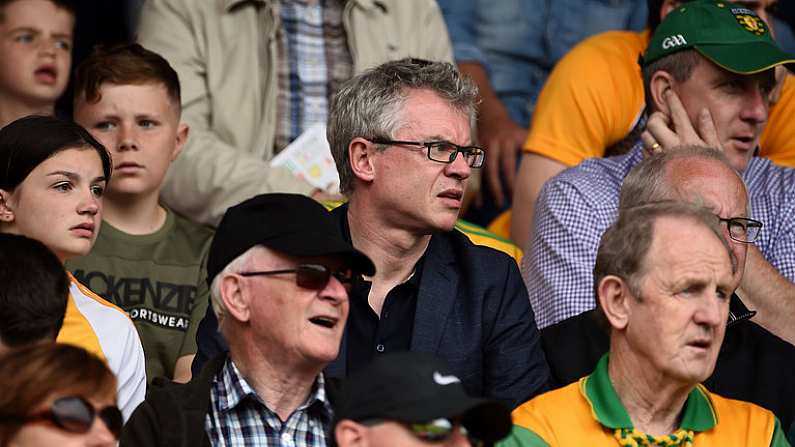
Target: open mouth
<point>46,73</point>
<point>326,322</point>
<point>700,344</point>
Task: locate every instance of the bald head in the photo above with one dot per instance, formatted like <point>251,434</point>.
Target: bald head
<point>698,175</point>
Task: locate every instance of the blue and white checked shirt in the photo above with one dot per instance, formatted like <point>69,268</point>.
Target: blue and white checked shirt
<point>314,60</point>
<point>238,417</point>
<point>575,208</point>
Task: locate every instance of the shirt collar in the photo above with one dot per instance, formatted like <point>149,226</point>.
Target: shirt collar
<point>238,390</point>
<point>606,407</point>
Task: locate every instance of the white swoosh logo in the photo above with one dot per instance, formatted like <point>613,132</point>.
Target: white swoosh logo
<point>444,380</point>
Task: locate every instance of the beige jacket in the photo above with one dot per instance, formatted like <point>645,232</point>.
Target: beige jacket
<point>225,54</point>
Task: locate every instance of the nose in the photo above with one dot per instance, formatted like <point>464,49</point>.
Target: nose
<point>710,313</point>
<point>459,167</point>
<point>334,291</point>
<point>457,439</point>
<point>90,204</point>
<point>128,140</point>
<point>756,107</point>
<point>46,46</point>
<point>100,435</point>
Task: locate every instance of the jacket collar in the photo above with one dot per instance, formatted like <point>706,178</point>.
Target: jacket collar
<point>699,414</point>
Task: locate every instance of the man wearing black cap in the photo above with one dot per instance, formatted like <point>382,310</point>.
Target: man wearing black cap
<point>400,136</point>
<point>410,399</point>
<point>278,269</point>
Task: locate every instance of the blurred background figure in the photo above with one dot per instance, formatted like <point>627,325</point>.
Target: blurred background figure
<point>509,47</point>
<point>34,292</point>
<point>256,75</point>
<point>36,50</point>
<point>57,395</point>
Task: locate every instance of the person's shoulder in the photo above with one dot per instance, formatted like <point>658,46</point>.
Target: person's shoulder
<point>599,173</point>
<point>84,298</point>
<point>611,46</point>
<point>481,252</point>
<point>765,178</point>
<point>194,231</point>
<point>548,404</point>
<point>482,237</point>
<point>740,414</point>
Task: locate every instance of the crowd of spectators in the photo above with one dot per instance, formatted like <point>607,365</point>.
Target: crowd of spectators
<point>627,277</point>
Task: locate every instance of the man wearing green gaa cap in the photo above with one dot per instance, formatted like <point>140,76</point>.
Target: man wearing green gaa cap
<point>719,58</point>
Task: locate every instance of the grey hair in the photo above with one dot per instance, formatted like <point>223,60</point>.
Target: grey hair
<point>368,105</point>
<point>624,247</point>
<point>237,265</point>
<point>649,180</point>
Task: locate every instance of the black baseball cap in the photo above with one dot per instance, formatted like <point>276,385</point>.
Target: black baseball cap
<point>413,387</point>
<point>288,223</point>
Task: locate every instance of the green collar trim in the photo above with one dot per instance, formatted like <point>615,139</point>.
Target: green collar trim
<point>699,414</point>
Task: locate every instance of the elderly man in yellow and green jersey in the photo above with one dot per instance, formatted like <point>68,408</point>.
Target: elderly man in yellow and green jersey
<point>663,278</point>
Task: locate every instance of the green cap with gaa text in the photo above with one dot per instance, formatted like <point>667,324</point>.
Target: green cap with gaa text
<point>731,36</point>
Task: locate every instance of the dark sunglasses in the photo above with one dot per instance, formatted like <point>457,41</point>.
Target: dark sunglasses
<point>311,276</point>
<point>435,431</point>
<point>76,415</point>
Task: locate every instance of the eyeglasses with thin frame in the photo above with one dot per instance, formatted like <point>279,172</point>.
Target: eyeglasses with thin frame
<point>742,229</point>
<point>76,415</point>
<point>443,151</point>
<point>310,276</point>
<point>435,431</point>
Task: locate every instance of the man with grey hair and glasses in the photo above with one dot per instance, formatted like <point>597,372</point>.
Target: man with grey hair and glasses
<point>401,137</point>
<point>754,365</point>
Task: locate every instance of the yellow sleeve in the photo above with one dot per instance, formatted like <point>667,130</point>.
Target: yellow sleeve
<point>778,138</point>
<point>591,99</point>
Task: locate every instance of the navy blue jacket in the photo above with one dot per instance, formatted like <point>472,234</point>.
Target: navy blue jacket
<point>472,311</point>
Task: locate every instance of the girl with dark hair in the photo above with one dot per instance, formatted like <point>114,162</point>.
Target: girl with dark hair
<point>52,177</point>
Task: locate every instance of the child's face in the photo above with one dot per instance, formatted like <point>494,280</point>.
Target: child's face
<point>59,202</point>
<point>139,125</point>
<point>35,47</point>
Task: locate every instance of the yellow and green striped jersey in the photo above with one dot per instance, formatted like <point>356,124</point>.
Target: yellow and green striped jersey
<point>590,413</point>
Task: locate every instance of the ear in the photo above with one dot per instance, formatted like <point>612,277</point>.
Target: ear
<point>613,295</point>
<point>6,210</point>
<point>235,298</point>
<point>360,157</point>
<point>661,83</point>
<point>668,6</point>
<point>182,136</point>
<point>349,433</point>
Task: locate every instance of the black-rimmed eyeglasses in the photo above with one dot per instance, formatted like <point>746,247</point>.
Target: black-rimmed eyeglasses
<point>742,229</point>
<point>310,276</point>
<point>442,151</point>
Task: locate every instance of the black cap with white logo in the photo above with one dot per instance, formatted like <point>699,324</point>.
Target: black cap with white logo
<point>413,387</point>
